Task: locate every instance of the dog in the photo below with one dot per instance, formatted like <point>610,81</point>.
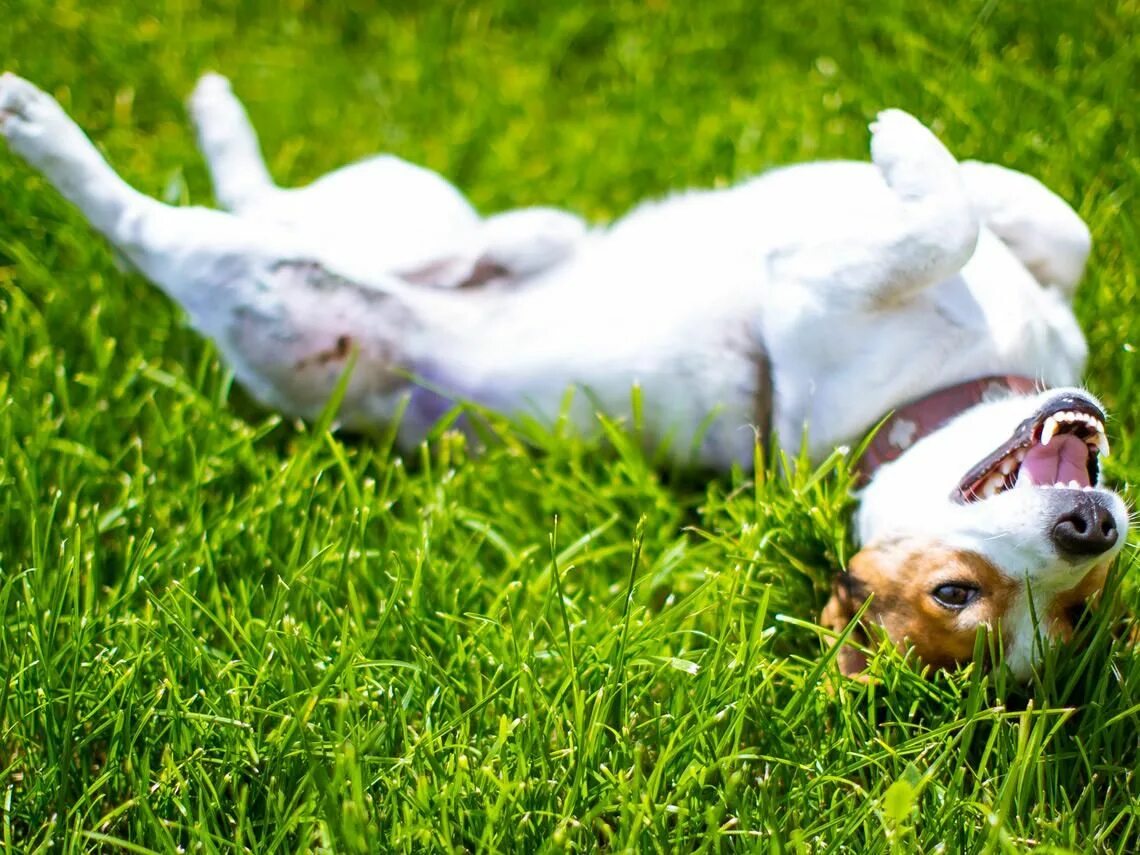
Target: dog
<point>808,304</point>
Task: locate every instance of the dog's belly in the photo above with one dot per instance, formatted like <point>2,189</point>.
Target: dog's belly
<point>679,300</point>
<point>697,369</point>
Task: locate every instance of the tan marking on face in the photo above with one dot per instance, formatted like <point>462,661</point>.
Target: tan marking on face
<point>903,576</point>
<point>1060,613</point>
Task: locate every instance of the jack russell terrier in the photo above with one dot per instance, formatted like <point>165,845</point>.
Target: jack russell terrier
<point>923,295</point>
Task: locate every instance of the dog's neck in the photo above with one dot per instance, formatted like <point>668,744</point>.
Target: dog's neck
<point>906,425</point>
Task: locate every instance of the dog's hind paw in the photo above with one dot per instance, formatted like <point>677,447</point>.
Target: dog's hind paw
<point>34,124</point>
<point>912,159</point>
<point>228,142</point>
<point>210,87</point>
<point>18,100</point>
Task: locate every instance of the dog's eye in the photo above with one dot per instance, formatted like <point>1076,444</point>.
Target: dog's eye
<point>954,596</point>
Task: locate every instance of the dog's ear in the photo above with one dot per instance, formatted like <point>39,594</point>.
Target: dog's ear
<point>847,596</point>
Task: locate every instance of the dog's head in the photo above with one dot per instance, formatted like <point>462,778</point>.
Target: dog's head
<point>997,519</point>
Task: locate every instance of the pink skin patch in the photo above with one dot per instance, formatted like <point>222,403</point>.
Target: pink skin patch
<point>1064,459</point>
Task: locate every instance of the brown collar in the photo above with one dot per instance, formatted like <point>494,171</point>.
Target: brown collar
<point>909,423</point>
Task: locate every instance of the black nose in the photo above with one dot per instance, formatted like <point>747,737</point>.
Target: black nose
<point>1085,528</point>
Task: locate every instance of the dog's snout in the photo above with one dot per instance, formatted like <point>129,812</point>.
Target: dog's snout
<point>1085,528</point>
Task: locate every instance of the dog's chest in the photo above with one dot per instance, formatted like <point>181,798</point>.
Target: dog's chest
<point>840,370</point>
<point>1024,325</point>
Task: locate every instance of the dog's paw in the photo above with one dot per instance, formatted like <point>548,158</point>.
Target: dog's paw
<point>210,88</point>
<point>34,124</point>
<point>214,109</point>
<point>217,115</point>
<point>18,102</point>
<point>912,159</point>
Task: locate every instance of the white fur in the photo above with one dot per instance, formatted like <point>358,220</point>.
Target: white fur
<point>868,284</point>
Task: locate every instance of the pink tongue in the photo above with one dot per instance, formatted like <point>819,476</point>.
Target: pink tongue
<point>1065,459</point>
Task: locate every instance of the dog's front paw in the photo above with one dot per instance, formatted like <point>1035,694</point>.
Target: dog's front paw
<point>912,159</point>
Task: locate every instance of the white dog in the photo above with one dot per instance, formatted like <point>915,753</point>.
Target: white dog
<point>824,296</point>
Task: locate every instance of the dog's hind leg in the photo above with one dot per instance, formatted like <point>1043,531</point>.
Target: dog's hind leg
<point>379,215</point>
<point>211,263</point>
<point>1037,225</point>
<point>185,251</point>
<point>229,144</point>
<point>38,129</point>
<point>511,246</point>
<point>285,322</point>
<point>924,234</point>
<point>405,218</point>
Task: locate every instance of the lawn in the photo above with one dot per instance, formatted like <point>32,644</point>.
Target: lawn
<point>226,632</point>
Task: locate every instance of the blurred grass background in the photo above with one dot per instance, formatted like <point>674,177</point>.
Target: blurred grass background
<point>224,633</point>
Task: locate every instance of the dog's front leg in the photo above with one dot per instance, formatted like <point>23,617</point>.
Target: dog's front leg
<point>1037,225</point>
<point>927,236</point>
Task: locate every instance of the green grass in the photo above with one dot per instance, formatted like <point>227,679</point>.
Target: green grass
<point>222,632</point>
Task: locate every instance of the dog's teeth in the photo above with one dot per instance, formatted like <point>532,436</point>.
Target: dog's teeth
<point>1102,443</point>
<point>1020,455</point>
<point>993,485</point>
<point>1007,465</point>
<point>1049,429</point>
<point>1074,485</point>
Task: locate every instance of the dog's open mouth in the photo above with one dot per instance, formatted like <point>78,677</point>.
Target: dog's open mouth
<point>1059,446</point>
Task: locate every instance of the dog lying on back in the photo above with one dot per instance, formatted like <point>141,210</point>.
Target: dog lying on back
<point>826,295</point>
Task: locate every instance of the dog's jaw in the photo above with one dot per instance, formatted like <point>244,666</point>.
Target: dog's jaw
<point>919,492</point>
